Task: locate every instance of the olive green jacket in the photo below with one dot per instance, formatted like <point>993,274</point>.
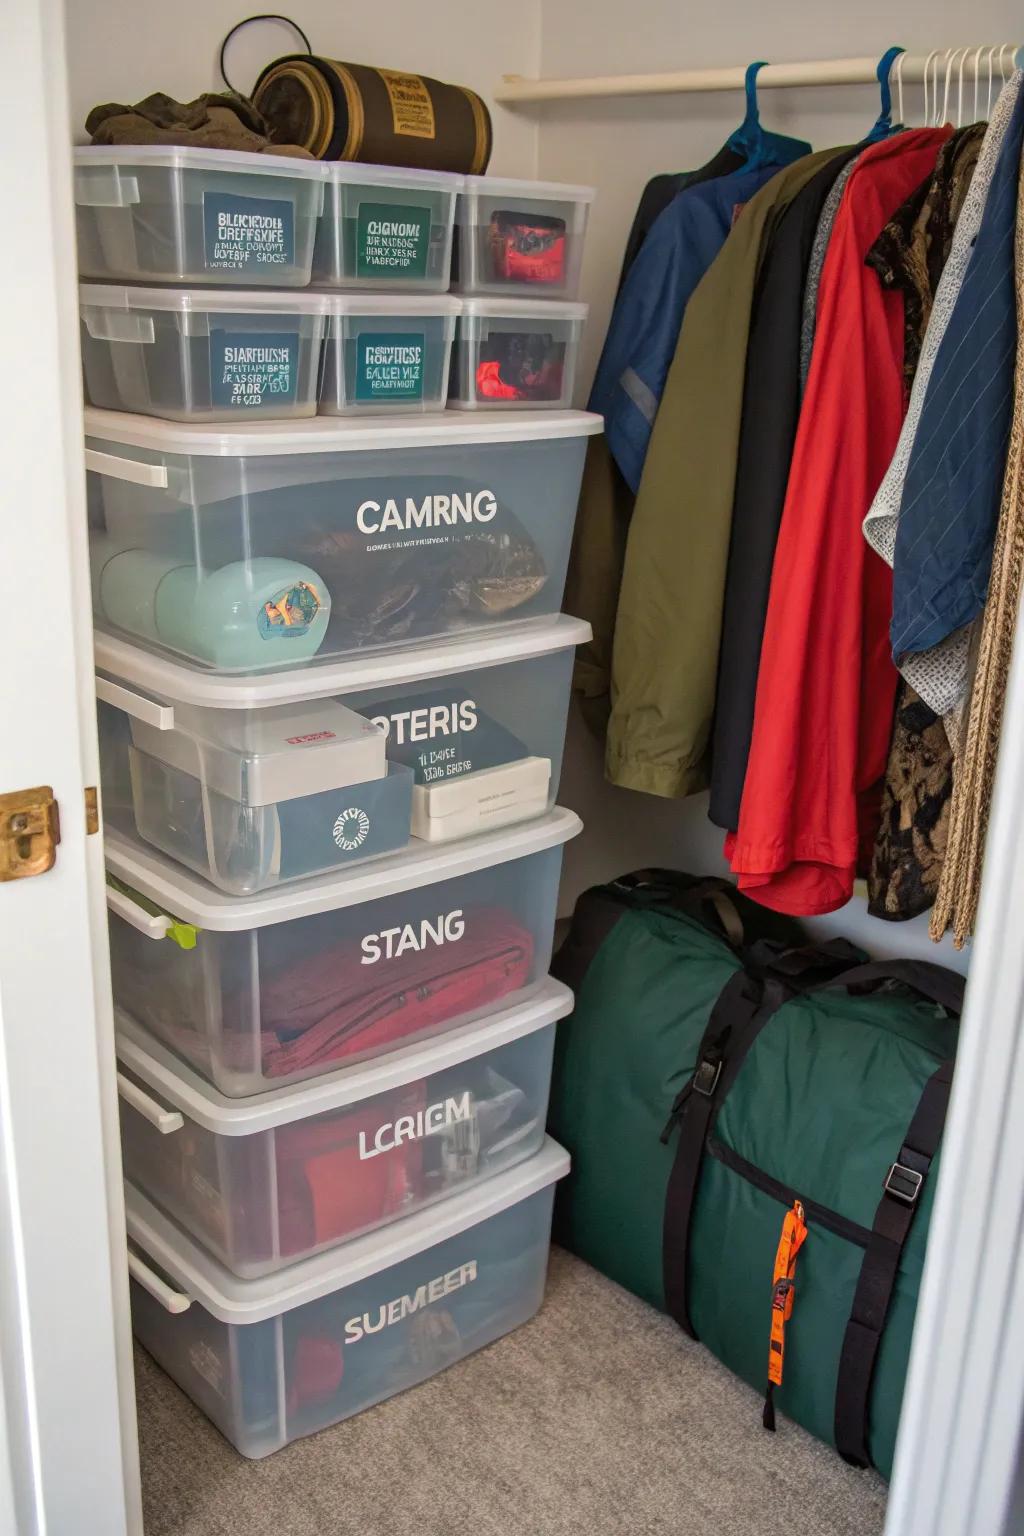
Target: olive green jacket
<point>669,613</point>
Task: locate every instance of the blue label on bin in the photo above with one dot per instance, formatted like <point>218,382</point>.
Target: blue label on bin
<point>390,366</point>
<point>392,240</point>
<point>249,369</point>
<point>242,234</point>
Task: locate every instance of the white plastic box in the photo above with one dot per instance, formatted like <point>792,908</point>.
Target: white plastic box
<point>156,213</point>
<point>243,551</point>
<point>259,992</point>
<point>519,237</point>
<point>384,226</point>
<point>515,354</point>
<point>386,354</point>
<point>201,354</point>
<point>251,792</point>
<point>262,1183</point>
<point>274,1359</point>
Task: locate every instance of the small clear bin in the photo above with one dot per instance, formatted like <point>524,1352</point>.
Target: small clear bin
<point>201,354</point>
<point>156,213</point>
<point>274,1359</point>
<point>256,992</point>
<point>515,354</point>
<point>264,1183</point>
<point>386,354</point>
<point>385,227</point>
<point>519,237</point>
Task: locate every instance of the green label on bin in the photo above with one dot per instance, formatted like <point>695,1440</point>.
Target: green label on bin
<point>245,234</point>
<point>392,240</point>
<point>249,369</point>
<point>389,366</point>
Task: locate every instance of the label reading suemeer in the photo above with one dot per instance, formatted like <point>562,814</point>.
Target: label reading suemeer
<point>249,369</point>
<point>245,234</point>
<point>390,366</point>
<point>392,240</point>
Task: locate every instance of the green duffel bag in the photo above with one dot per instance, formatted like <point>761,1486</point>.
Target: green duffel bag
<point>712,1086</point>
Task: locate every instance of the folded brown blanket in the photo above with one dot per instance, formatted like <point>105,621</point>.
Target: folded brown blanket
<point>222,120</point>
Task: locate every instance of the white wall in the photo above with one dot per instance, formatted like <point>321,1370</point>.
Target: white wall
<point>617,145</point>
<point>121,50</point>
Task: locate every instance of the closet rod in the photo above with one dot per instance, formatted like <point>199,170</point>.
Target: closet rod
<point>518,88</point>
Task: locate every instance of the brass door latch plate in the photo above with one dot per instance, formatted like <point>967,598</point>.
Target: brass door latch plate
<point>29,832</point>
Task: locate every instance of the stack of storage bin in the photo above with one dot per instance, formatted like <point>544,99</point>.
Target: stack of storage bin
<point>333,683</point>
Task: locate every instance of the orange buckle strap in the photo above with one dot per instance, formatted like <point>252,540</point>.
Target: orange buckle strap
<point>794,1232</point>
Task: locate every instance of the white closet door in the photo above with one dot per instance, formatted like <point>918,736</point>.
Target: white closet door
<point>68,1456</point>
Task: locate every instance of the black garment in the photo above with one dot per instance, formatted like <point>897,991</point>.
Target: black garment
<point>661,190</point>
<point>771,412</point>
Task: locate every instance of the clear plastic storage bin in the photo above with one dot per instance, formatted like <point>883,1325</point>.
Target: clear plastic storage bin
<point>262,1183</point>
<point>201,354</point>
<point>250,792</point>
<point>274,1359</point>
<point>156,213</point>
<point>386,354</point>
<point>515,354</point>
<point>522,237</point>
<point>244,551</point>
<point>258,992</point>
<point>385,227</point>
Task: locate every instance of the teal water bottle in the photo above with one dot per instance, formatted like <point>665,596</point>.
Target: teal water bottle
<point>248,615</point>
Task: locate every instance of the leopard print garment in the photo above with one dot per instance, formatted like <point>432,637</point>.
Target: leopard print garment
<point>910,845</point>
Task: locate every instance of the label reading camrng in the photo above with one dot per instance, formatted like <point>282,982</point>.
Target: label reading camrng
<point>245,234</point>
<point>392,240</point>
<point>390,366</point>
<point>249,369</point>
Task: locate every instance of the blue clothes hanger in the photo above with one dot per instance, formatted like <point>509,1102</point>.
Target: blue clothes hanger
<point>757,146</point>
<point>884,125</point>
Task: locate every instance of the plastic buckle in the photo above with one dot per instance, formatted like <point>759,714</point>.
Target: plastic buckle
<point>903,1183</point>
<point>705,1079</point>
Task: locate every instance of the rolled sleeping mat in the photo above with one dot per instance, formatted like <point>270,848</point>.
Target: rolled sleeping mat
<point>249,614</point>
<point>341,111</point>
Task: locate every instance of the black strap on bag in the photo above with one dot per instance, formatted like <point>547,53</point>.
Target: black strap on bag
<point>901,1193</point>
<point>771,976</point>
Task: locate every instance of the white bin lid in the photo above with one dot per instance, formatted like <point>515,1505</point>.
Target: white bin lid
<point>236,1301</point>
<point>391,176</point>
<point>176,1083</point>
<point>204,301</point>
<point>179,158</point>
<point>337,434</point>
<point>174,889</point>
<point>525,309</point>
<point>511,186</point>
<point>396,667</point>
<point>390,303</point>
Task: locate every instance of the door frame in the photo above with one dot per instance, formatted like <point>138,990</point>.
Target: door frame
<point>68,1434</point>
<point>961,1438</point>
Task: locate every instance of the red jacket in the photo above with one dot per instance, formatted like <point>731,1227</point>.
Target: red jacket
<point>826,685</point>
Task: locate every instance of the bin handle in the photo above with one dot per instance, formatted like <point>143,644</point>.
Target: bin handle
<point>166,1120</point>
<point>155,925</point>
<point>114,191</point>
<point>133,470</point>
<point>106,323</point>
<point>171,1300</point>
<point>161,716</point>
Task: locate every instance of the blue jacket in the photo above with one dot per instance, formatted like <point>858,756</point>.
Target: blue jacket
<point>641,342</point>
<point>952,491</point>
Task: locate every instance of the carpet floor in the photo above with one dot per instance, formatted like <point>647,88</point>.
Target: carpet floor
<point>599,1418</point>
